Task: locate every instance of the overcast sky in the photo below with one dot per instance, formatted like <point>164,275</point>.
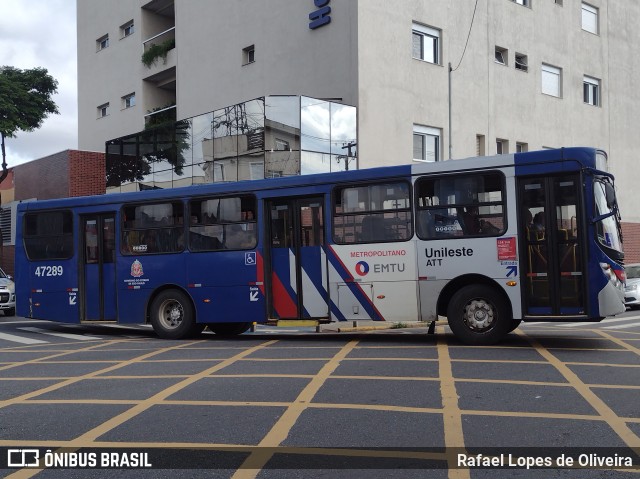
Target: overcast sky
<point>42,33</point>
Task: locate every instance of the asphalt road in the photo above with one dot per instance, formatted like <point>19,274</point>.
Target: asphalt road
<point>291,402</point>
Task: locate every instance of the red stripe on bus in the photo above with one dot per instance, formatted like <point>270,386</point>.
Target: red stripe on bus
<point>282,302</point>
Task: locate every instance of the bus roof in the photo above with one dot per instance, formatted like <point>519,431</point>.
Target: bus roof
<point>586,157</point>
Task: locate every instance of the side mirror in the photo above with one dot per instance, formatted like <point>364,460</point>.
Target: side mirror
<point>610,194</point>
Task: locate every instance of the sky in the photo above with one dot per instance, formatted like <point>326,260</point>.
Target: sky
<point>42,33</point>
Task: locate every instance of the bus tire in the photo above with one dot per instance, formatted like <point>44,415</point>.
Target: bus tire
<point>229,329</point>
<point>172,315</point>
<point>479,315</point>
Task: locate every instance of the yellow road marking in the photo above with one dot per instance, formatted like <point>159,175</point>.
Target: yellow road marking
<point>617,423</point>
<point>89,437</point>
<point>280,430</point>
<point>451,413</point>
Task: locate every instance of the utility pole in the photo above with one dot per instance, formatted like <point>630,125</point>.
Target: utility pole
<point>349,145</point>
<point>450,135</point>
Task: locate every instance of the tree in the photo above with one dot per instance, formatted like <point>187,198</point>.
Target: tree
<point>25,102</point>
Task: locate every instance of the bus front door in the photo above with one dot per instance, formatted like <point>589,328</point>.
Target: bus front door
<point>552,248</point>
<point>295,259</point>
<point>98,294</point>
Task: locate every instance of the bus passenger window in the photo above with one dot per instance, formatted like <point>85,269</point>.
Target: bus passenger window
<point>373,213</point>
<point>460,206</point>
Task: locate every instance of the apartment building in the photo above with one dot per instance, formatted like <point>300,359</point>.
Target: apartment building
<point>431,79</point>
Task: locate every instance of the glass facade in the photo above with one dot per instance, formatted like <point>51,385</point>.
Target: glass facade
<point>266,137</point>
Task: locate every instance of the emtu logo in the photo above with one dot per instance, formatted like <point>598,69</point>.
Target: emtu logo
<point>362,268</point>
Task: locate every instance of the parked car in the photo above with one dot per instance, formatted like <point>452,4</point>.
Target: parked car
<point>7,294</point>
<point>632,288</point>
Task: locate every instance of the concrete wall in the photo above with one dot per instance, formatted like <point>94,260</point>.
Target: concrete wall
<point>290,59</point>
<point>108,75</point>
<point>490,99</point>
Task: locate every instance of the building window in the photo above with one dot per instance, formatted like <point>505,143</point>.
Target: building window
<point>127,29</point>
<point>501,55</point>
<point>480,145</point>
<point>522,147</point>
<point>103,110</point>
<point>522,62</point>
<point>551,80</point>
<point>282,145</point>
<point>248,55</point>
<point>591,90</point>
<point>502,146</point>
<point>559,2</point>
<point>426,44</point>
<point>426,143</point>
<point>102,43</point>
<point>524,3</point>
<point>589,18</point>
<point>129,101</point>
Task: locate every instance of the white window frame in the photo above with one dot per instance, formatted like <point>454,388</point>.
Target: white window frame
<point>127,29</point>
<point>524,3</point>
<point>282,145</point>
<point>426,33</point>
<point>501,56</point>
<point>591,91</point>
<point>427,132</point>
<point>590,18</point>
<point>521,147</point>
<point>551,80</point>
<point>502,146</point>
<point>129,101</point>
<point>103,110</point>
<point>521,62</point>
<point>102,42</point>
<point>249,55</point>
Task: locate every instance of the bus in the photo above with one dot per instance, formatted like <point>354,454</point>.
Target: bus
<point>486,242</point>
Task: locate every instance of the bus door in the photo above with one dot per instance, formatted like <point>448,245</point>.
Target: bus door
<point>98,294</point>
<point>295,260</point>
<point>553,276</point>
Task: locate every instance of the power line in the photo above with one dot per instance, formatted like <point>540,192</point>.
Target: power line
<point>468,35</point>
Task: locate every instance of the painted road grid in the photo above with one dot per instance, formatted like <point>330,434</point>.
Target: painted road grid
<point>289,403</point>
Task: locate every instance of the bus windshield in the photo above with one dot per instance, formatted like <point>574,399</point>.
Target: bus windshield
<point>607,219</point>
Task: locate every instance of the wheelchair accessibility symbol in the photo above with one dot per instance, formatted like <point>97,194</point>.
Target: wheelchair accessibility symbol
<point>250,259</point>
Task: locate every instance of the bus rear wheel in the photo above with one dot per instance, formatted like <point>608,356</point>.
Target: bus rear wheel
<point>479,315</point>
<point>229,329</point>
<point>172,315</point>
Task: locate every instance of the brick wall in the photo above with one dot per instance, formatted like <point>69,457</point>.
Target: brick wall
<point>44,179</point>
<point>86,173</point>
<point>8,259</point>
<point>631,238</point>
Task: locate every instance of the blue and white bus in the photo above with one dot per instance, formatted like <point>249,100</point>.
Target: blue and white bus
<point>486,242</point>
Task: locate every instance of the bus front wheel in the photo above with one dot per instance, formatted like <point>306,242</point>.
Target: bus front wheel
<point>478,315</point>
<point>172,315</point>
<point>229,329</point>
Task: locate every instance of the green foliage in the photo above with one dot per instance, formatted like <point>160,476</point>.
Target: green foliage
<point>25,102</point>
<point>25,99</point>
<point>399,326</point>
<point>163,140</point>
<point>155,51</point>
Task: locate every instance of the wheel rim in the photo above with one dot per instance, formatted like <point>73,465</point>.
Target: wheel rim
<point>480,315</point>
<point>171,314</point>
